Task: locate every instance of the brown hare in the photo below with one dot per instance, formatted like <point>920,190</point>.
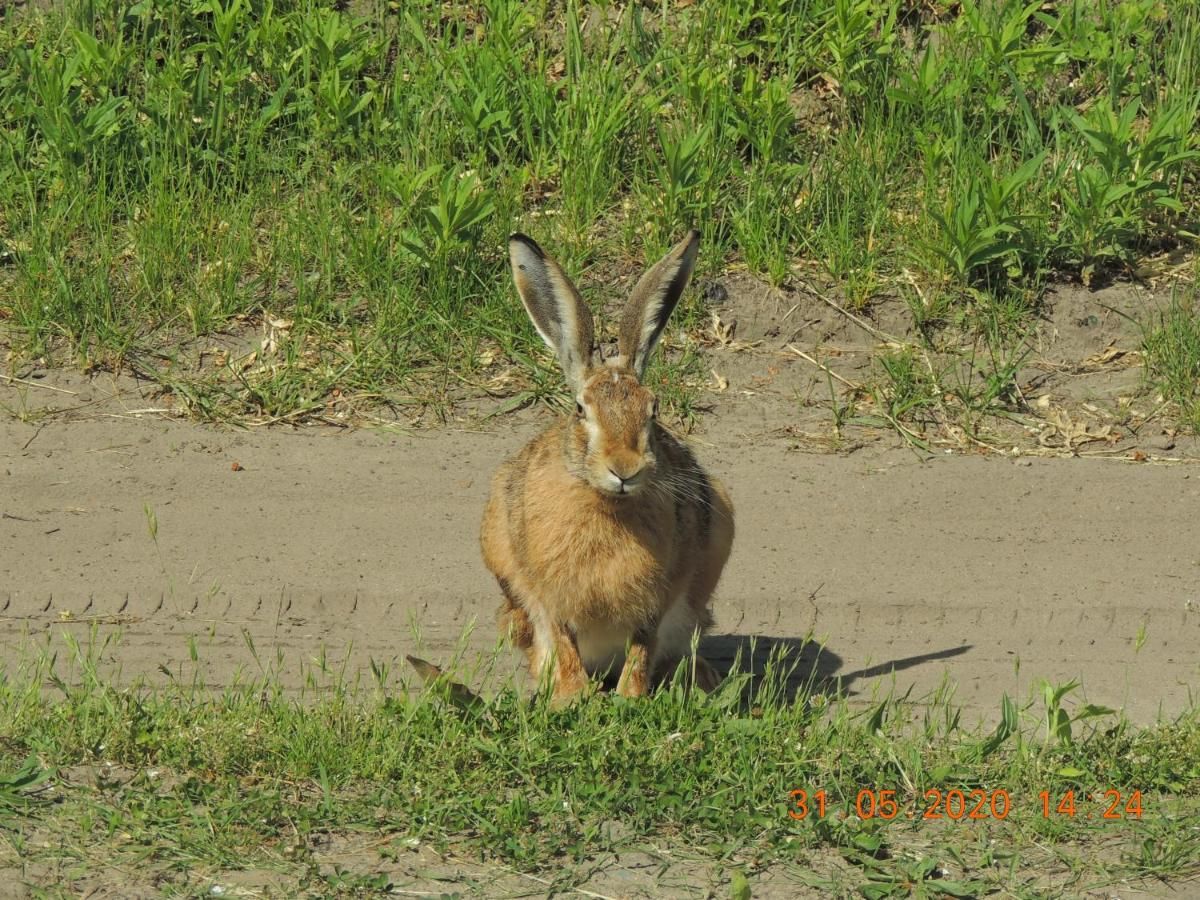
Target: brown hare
<point>605,534</point>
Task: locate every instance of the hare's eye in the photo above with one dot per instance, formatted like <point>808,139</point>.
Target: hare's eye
<point>579,409</point>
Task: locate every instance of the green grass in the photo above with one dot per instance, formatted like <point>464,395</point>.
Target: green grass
<point>194,782</point>
<point>1172,348</point>
<point>170,172</point>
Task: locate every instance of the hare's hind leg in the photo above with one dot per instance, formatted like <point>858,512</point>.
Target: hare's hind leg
<point>681,627</point>
<point>719,534</point>
<point>706,677</point>
<point>515,625</point>
<point>545,644</point>
<point>556,651</point>
<point>718,542</point>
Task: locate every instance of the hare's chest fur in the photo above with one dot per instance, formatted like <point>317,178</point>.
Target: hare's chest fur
<point>599,560</point>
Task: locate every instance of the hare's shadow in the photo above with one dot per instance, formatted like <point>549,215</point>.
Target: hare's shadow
<point>804,666</point>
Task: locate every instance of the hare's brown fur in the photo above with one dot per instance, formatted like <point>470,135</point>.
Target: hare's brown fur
<point>604,534</point>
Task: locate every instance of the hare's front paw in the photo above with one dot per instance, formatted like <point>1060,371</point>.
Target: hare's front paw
<point>632,688</point>
<point>634,682</point>
<point>567,691</point>
<point>635,677</point>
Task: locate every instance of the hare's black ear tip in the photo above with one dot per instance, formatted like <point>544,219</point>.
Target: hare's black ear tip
<point>526,241</point>
<point>694,235</point>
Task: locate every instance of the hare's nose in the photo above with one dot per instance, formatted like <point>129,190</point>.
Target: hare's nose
<point>628,478</point>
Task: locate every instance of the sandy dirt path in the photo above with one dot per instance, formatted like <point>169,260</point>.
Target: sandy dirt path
<point>341,545</point>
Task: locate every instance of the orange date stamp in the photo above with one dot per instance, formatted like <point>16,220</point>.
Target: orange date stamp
<point>967,805</point>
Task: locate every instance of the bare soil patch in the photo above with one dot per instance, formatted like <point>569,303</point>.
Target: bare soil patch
<point>783,358</point>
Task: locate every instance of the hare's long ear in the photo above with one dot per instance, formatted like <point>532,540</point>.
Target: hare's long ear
<point>554,305</point>
<point>652,302</point>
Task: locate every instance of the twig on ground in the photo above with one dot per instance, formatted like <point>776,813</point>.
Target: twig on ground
<point>543,881</point>
<point>44,387</point>
<point>286,416</point>
<point>824,368</point>
<point>857,320</point>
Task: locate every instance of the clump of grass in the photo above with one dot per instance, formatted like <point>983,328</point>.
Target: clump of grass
<point>169,171</point>
<point>510,779</point>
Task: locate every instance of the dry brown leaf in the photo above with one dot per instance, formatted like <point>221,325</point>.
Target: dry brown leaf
<point>275,332</point>
<point>722,332</point>
<point>1063,432</point>
<point>1111,354</point>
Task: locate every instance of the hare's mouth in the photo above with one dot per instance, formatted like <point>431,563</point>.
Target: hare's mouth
<point>618,486</point>
<point>618,491</point>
